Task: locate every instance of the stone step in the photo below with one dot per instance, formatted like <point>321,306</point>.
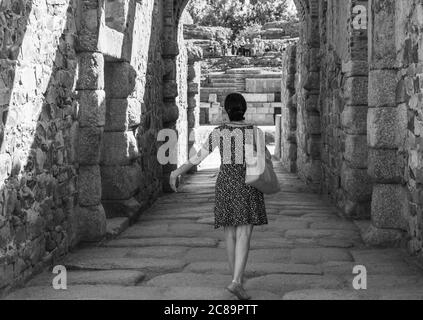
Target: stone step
<point>245,75</point>
<point>226,80</point>
<point>244,70</point>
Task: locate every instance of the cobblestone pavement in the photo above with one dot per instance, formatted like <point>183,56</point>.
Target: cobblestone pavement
<point>173,252</point>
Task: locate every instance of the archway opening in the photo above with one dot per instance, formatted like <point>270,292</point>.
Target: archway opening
<point>235,47</point>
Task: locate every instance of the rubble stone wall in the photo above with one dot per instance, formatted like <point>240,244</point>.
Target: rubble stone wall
<point>38,135</point>
<point>409,117</point>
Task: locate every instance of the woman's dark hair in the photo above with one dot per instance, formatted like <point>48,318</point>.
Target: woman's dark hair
<point>235,106</point>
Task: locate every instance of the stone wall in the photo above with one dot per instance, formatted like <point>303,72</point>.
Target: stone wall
<point>81,104</point>
<point>131,175</point>
<point>288,139</point>
<point>260,88</point>
<point>38,135</point>
<point>409,116</point>
<point>343,103</point>
<point>309,166</point>
<point>331,102</point>
<point>394,122</point>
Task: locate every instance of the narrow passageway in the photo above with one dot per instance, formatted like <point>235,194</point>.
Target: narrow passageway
<point>173,252</point>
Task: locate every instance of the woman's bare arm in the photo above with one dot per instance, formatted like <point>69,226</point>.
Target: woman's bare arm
<point>193,161</point>
<point>187,166</point>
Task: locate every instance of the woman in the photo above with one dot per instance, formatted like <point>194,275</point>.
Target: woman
<point>238,206</point>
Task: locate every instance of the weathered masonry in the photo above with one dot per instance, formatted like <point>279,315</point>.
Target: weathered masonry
<point>85,87</point>
<point>352,103</point>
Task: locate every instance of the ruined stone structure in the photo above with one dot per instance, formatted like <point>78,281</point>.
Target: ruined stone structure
<point>85,87</point>
<point>356,106</point>
<point>260,89</point>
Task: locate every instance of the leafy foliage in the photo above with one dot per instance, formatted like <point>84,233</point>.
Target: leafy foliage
<point>237,14</point>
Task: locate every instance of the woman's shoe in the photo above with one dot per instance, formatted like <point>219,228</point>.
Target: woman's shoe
<point>238,290</point>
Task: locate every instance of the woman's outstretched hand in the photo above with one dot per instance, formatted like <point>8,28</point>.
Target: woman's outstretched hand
<point>172,181</point>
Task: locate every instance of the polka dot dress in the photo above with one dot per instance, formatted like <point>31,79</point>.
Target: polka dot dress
<point>236,202</point>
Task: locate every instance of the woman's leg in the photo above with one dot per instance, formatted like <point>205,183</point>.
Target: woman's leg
<point>230,237</point>
<point>242,247</point>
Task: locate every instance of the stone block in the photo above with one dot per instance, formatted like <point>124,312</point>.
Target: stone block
<point>314,147</point>
<point>119,148</point>
<point>170,89</point>
<point>312,81</point>
<point>313,123</point>
<point>92,108</point>
<point>385,166</point>
<point>113,45</point>
<point>355,68</point>
<point>266,85</point>
<point>89,145</point>
<point>193,88</point>
<point>91,71</point>
<point>212,98</point>
<point>170,112</point>
<point>89,186</point>
<point>389,206</point>
<point>120,78</point>
<point>88,28</point>
<point>91,223</point>
<point>260,97</point>
<point>354,120</point>
<point>382,88</point>
<point>123,114</point>
<point>312,103</point>
<point>120,182</point>
<point>381,125</point>
<point>382,51</point>
<point>356,91</point>
<point>383,237</point>
<point>356,183</point>
<point>356,151</point>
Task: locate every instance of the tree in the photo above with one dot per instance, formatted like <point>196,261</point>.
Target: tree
<point>236,14</point>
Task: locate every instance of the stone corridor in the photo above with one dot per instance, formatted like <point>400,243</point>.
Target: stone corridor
<point>89,88</point>
<point>307,251</point>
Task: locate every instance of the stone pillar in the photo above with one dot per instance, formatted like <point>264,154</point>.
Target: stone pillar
<point>170,51</point>
<point>120,168</point>
<point>355,182</point>
<point>308,133</point>
<point>288,143</point>
<point>389,198</point>
<point>91,95</point>
<point>194,82</point>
